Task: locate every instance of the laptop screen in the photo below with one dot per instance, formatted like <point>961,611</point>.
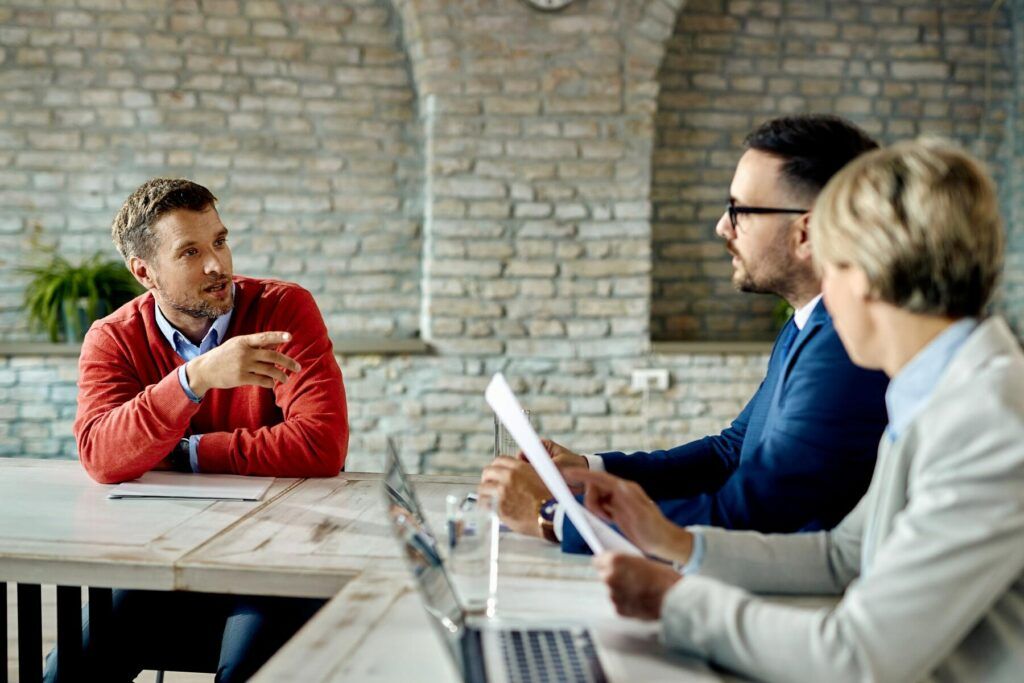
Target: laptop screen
<point>421,550</point>
<point>398,487</point>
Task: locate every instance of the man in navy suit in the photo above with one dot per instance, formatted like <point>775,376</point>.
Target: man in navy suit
<point>802,452</point>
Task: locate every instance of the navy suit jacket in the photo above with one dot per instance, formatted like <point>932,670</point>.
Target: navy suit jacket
<point>798,458</point>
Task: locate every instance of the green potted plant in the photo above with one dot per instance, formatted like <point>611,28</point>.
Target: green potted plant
<point>781,313</point>
<point>64,299</point>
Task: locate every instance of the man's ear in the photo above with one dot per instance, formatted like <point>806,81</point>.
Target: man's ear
<point>140,269</point>
<point>801,236</point>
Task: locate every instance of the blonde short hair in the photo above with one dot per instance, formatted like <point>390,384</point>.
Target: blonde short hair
<point>922,220</point>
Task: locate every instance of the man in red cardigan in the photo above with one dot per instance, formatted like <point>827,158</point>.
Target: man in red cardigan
<point>206,372</point>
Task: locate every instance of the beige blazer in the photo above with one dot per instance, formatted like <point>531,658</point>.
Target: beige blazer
<point>930,560</point>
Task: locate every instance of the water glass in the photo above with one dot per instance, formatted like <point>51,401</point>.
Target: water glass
<point>473,552</point>
<point>504,444</point>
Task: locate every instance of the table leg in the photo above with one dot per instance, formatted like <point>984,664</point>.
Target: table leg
<point>3,632</point>
<point>30,632</point>
<point>69,632</point>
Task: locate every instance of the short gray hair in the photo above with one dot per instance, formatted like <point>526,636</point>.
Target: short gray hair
<point>922,220</point>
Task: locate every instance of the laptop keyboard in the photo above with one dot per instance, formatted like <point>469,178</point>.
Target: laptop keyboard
<point>550,655</point>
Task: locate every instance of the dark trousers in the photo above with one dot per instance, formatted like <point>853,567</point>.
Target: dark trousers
<point>227,635</point>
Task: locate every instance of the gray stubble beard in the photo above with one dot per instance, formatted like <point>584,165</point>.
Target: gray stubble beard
<point>200,310</point>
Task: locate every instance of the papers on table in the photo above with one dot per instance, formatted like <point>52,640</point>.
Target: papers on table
<point>193,486</point>
<point>598,535</point>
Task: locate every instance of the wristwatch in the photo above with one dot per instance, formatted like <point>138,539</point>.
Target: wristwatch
<point>546,519</point>
<point>180,457</point>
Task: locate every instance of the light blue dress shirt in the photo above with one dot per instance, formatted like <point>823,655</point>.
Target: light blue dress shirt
<point>906,395</point>
<point>910,389</point>
<point>187,351</point>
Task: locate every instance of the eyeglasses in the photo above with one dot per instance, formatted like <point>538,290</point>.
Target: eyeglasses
<point>735,211</point>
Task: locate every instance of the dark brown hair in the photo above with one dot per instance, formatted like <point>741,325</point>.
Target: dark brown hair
<point>813,147</point>
<point>132,229</point>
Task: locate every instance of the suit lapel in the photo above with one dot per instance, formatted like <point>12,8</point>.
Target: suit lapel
<point>765,396</point>
<point>819,316</point>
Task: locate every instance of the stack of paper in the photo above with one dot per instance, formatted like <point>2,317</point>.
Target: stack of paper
<point>193,486</point>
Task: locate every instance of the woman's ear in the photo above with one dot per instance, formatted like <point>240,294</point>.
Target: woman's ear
<point>860,284</point>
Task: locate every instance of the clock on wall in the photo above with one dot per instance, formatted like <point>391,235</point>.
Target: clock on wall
<point>548,5</point>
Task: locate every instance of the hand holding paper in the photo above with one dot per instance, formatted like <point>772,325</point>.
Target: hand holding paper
<point>598,535</point>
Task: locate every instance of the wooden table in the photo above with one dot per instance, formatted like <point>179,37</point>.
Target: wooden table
<point>308,538</point>
<point>323,529</point>
<point>376,631</point>
<point>57,527</point>
<point>314,538</point>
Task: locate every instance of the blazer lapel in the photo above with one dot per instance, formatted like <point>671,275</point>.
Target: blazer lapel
<point>819,316</point>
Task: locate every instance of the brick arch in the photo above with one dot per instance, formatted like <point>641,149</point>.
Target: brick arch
<point>418,46</point>
<point>898,72</point>
<point>647,39</point>
<point>446,77</point>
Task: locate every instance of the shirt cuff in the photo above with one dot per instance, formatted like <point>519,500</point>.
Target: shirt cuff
<point>692,565</point>
<point>193,451</point>
<point>595,462</point>
<point>183,380</point>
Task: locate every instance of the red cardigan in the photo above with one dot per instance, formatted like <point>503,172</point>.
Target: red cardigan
<point>132,409</point>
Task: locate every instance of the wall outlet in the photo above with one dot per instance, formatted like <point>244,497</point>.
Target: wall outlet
<point>650,379</point>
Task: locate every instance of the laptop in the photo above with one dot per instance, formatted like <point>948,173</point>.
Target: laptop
<point>483,651</point>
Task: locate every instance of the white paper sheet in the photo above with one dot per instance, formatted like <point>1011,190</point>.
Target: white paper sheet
<point>194,486</point>
<point>598,535</point>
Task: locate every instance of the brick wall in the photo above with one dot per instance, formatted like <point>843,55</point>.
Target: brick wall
<point>469,169</point>
<point>37,406</point>
<point>534,138</point>
<point>537,140</point>
<point>434,406</point>
<point>298,115</point>
<point>898,71</point>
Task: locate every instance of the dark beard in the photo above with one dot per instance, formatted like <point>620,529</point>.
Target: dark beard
<point>748,286</point>
<point>776,280</point>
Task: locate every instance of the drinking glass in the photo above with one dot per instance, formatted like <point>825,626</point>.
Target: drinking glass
<point>473,551</point>
<point>504,444</point>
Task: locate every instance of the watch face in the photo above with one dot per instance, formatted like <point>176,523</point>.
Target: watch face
<point>549,5</point>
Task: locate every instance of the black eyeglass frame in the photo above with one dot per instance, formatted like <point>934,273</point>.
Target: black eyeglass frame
<point>735,211</point>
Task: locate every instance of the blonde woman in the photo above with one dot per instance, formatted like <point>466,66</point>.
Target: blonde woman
<point>929,563</point>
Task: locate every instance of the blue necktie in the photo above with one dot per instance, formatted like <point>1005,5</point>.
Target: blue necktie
<point>786,339</point>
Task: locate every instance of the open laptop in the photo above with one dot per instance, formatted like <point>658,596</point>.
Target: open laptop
<point>482,651</point>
